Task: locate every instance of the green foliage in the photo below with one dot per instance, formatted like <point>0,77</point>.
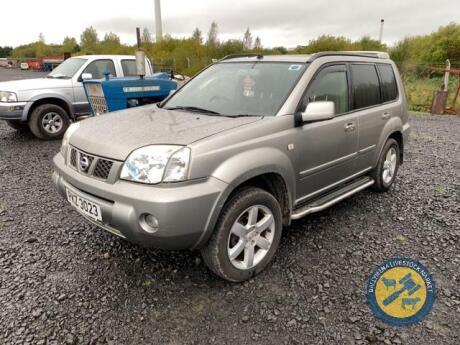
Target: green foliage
<point>89,40</point>
<point>5,51</point>
<point>325,43</point>
<point>432,49</point>
<point>70,45</point>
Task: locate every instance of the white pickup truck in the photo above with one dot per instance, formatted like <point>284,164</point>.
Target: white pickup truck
<point>47,105</point>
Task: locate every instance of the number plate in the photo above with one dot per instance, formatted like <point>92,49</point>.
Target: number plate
<point>85,206</point>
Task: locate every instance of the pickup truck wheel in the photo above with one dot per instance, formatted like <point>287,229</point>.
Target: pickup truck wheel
<point>49,121</point>
<point>17,125</point>
<point>387,167</point>
<point>246,236</point>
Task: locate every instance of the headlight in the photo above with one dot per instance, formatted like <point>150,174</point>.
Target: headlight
<point>7,97</point>
<point>157,163</point>
<point>65,140</point>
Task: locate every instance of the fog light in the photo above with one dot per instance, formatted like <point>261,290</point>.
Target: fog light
<point>149,223</point>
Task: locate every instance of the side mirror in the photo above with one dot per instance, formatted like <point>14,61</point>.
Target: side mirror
<point>86,76</point>
<point>319,111</point>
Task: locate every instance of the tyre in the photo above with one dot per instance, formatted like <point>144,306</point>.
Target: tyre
<point>246,236</point>
<point>18,125</point>
<point>387,167</point>
<point>49,121</point>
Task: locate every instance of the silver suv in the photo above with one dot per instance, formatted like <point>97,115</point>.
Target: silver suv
<point>245,147</point>
<point>47,105</point>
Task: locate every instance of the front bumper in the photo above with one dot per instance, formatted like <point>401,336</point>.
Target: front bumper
<point>12,111</point>
<point>184,211</point>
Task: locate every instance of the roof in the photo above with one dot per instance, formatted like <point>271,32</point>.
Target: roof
<point>304,57</point>
<point>92,57</point>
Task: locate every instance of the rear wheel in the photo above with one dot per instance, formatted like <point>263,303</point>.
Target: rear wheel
<point>18,125</point>
<point>246,236</point>
<point>49,121</point>
<point>387,168</point>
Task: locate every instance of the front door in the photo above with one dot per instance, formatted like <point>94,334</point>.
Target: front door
<point>326,150</point>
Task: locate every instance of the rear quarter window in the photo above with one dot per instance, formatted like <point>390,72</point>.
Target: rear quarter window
<point>129,68</point>
<point>366,87</point>
<point>387,82</point>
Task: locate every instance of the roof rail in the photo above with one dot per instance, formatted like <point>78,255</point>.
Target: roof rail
<point>234,56</point>
<point>368,54</point>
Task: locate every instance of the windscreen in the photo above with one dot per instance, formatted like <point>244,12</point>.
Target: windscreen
<point>237,89</point>
<point>68,68</point>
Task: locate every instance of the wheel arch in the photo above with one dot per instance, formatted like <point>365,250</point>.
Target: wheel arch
<point>269,180</point>
<point>394,130</point>
<point>52,99</point>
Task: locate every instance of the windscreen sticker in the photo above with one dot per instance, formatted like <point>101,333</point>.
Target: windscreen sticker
<point>248,84</point>
<point>295,67</point>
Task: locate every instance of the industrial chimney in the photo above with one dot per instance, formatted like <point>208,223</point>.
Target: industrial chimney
<point>158,24</point>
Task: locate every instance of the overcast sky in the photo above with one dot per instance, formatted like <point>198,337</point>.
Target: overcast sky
<point>287,22</point>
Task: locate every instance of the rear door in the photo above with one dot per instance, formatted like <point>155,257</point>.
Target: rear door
<point>326,150</point>
<point>374,95</point>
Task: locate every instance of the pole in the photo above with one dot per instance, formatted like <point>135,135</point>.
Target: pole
<point>158,24</point>
<point>382,21</point>
<point>138,37</point>
<point>446,76</point>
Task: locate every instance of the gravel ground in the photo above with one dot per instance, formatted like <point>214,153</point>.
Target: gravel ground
<point>16,74</point>
<point>63,281</point>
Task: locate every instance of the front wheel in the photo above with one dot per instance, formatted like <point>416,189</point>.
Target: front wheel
<point>49,121</point>
<point>387,167</point>
<point>246,236</point>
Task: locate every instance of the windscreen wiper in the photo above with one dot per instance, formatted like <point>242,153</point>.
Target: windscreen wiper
<point>194,109</point>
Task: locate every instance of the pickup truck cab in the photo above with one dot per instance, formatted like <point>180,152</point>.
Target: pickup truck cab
<point>245,147</point>
<point>48,105</point>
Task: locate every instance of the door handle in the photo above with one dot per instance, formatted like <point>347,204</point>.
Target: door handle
<point>385,115</point>
<point>350,127</point>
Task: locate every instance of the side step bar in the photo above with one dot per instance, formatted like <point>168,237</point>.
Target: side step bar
<point>332,198</point>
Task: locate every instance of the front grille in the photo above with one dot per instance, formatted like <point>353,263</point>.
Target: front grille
<point>73,157</point>
<point>102,169</point>
<point>96,98</point>
<point>98,104</point>
<point>90,165</point>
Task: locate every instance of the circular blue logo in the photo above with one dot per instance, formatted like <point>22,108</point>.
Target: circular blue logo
<point>401,292</point>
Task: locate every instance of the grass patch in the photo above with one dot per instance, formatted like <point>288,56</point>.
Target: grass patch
<point>420,92</point>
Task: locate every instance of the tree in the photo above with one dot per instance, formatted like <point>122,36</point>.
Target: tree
<point>197,35</point>
<point>146,36</point>
<point>212,35</point>
<point>41,38</point>
<point>112,38</point>
<point>326,43</point>
<point>5,52</point>
<point>367,43</point>
<point>247,40</point>
<point>89,38</point>
<point>70,45</point>
<point>257,44</point>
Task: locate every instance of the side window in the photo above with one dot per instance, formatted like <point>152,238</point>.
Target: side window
<point>129,68</point>
<point>366,87</point>
<point>387,82</point>
<point>331,84</point>
<point>98,67</point>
